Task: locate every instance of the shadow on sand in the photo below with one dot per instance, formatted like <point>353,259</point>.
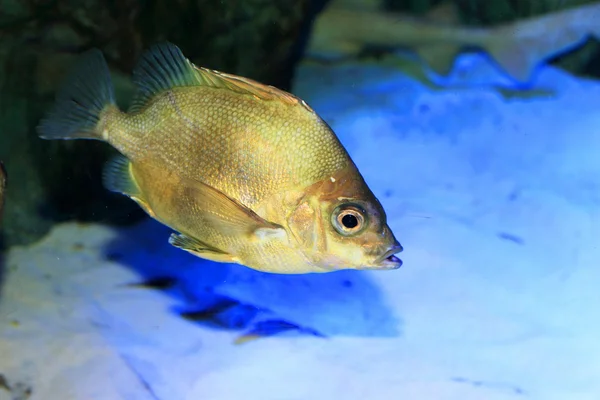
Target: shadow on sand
<point>233,297</point>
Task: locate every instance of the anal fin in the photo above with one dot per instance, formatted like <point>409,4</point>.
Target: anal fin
<point>117,177</point>
<point>200,249</point>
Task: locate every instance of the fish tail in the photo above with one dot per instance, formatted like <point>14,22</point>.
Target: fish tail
<point>84,95</point>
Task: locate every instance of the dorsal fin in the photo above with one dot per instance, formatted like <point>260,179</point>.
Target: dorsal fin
<point>163,67</point>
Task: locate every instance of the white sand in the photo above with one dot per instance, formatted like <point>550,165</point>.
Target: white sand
<point>496,203</point>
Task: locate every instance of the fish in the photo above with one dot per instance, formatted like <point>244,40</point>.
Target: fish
<point>243,172</point>
<point>518,48</point>
<point>3,181</point>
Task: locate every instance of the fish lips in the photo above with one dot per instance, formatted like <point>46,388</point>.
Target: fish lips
<point>389,260</point>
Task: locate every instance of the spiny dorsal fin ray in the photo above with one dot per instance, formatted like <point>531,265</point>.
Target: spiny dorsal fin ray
<point>163,67</point>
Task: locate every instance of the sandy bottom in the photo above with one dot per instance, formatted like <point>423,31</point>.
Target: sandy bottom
<point>496,201</point>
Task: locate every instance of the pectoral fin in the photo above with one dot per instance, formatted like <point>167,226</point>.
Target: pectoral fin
<point>227,215</point>
<point>117,177</point>
<point>200,249</point>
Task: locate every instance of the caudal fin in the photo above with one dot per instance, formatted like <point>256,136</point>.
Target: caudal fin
<point>86,91</point>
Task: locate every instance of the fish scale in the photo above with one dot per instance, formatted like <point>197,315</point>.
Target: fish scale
<point>206,151</point>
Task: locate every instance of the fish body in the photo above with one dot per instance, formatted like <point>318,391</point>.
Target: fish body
<point>518,48</point>
<point>244,172</point>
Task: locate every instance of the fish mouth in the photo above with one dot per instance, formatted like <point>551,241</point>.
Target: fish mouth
<point>389,260</point>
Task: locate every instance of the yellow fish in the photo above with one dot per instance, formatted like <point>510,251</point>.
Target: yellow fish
<point>244,172</point>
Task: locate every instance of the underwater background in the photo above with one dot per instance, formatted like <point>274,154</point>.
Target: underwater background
<point>474,122</point>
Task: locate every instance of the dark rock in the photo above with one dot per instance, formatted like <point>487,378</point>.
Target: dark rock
<point>39,41</point>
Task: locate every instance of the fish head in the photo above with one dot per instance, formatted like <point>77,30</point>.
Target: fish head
<point>358,236</point>
<point>342,225</point>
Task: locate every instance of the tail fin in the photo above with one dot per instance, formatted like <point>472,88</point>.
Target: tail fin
<point>86,91</point>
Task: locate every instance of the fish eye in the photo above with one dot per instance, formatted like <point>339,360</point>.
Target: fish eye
<point>349,219</point>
